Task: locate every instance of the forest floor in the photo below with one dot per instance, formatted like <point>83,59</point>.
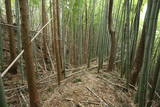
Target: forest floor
<point>82,88</point>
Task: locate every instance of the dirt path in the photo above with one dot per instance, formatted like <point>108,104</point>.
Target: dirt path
<point>89,89</point>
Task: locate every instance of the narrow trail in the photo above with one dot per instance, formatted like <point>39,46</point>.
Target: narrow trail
<point>82,88</point>
<point>90,89</point>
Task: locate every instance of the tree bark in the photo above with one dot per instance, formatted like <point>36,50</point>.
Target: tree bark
<point>3,102</point>
<point>113,39</point>
<point>56,41</point>
<point>137,64</point>
<point>154,82</point>
<point>86,34</point>
<point>26,44</point>
<point>12,42</point>
<point>148,50</point>
<point>44,21</point>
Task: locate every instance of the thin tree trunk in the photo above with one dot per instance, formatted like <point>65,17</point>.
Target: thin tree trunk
<point>113,39</point>
<point>154,81</point>
<point>150,36</point>
<point>1,40</point>
<point>12,42</point>
<point>51,27</point>
<point>90,33</point>
<point>128,65</point>
<point>86,30</point>
<point>56,41</point>
<point>18,35</point>
<point>140,51</point>
<point>30,70</point>
<point>136,29</point>
<point>44,21</point>
<point>3,102</point>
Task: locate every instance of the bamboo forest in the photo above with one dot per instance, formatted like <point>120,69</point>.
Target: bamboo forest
<point>79,53</point>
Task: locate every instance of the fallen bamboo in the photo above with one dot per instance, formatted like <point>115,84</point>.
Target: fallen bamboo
<point>101,100</point>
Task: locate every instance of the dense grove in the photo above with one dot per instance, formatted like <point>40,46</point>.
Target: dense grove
<point>53,37</point>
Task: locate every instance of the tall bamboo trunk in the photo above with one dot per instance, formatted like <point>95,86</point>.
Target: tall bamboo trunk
<point>113,38</point>
<point>56,41</point>
<point>1,40</point>
<point>3,102</point>
<point>137,64</point>
<point>12,42</point>
<point>86,34</point>
<point>26,44</point>
<point>44,21</point>
<point>154,82</point>
<point>148,51</point>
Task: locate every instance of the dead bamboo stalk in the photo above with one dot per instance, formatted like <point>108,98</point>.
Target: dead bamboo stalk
<point>101,100</point>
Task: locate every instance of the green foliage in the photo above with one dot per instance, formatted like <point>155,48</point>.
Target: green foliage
<point>34,2</point>
<point>76,80</point>
<point>50,89</point>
